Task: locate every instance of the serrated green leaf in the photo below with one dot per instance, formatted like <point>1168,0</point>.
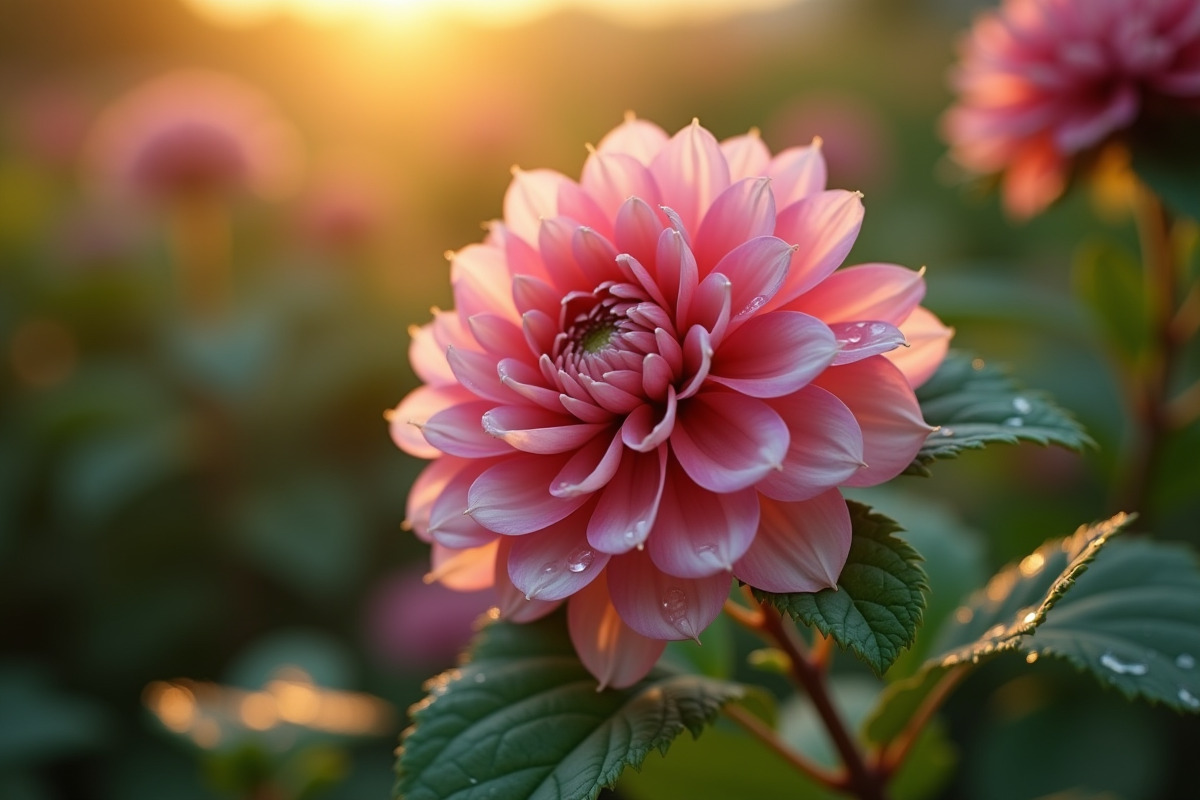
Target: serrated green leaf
<point>880,597</point>
<point>1109,280</point>
<point>1129,616</point>
<point>523,719</point>
<point>976,404</point>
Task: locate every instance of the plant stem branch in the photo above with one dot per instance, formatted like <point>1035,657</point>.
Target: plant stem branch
<point>891,756</point>
<point>761,731</point>
<point>1150,409</point>
<point>859,778</point>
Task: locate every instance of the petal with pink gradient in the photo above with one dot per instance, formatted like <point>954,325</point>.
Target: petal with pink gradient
<point>744,211</point>
<point>823,227</point>
<point>531,197</point>
<point>448,525</point>
<point>825,447</point>
<point>885,292</point>
<point>635,137</point>
<point>459,431</point>
<point>556,562</point>
<point>893,430</point>
<point>697,533</point>
<point>590,468</point>
<point>928,343</point>
<point>616,654</point>
<point>691,172</point>
<point>511,602</point>
<point>628,505</point>
<point>859,340</point>
<point>800,547</point>
<point>536,430</point>
<point>726,441</point>
<point>513,497</point>
<point>406,419</point>
<point>774,354</point>
<point>612,178</point>
<point>797,173</point>
<point>661,606</point>
<point>467,570</point>
<point>747,156</point>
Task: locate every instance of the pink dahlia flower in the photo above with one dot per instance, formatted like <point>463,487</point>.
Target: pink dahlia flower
<point>1042,81</point>
<point>653,381</point>
<point>190,132</point>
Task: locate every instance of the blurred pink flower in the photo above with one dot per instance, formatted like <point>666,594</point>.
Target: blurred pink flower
<point>1043,81</point>
<point>653,381</point>
<point>856,138</point>
<point>343,210</point>
<point>194,132</point>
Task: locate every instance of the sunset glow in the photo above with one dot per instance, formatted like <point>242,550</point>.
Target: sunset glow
<point>494,12</point>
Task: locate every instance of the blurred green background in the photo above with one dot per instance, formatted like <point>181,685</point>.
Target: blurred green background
<point>205,590</point>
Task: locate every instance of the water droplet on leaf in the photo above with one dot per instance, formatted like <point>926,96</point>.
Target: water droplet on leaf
<point>1185,661</point>
<point>1109,661</point>
<point>1014,422</point>
<point>1022,405</point>
<point>1190,700</point>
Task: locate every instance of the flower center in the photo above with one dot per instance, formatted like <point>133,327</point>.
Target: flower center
<point>595,335</point>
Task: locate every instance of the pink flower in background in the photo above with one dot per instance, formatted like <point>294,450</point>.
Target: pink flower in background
<point>192,131</point>
<point>654,380</point>
<point>1042,81</point>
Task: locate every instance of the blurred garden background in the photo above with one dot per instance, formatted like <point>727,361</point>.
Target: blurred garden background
<point>205,588</point>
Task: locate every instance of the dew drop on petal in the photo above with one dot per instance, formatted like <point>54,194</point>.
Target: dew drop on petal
<point>1185,661</point>
<point>1111,662</point>
<point>580,559</point>
<point>1022,405</point>
<point>754,305</point>
<point>708,552</point>
<point>1190,700</point>
<point>675,610</point>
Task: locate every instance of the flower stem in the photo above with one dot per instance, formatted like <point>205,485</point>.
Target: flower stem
<point>761,731</point>
<point>1150,402</point>
<point>859,778</point>
<point>891,756</point>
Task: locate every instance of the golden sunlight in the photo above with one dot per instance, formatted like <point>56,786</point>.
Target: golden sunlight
<point>498,12</point>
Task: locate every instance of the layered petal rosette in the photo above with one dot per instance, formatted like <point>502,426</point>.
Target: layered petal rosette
<point>654,380</point>
<point>1042,81</point>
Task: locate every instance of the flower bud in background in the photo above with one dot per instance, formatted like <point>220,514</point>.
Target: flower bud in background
<point>190,132</point>
<point>654,381</point>
<point>1042,83</point>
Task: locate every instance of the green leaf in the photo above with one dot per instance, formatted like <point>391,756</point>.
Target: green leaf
<point>880,596</point>
<point>522,718</point>
<point>1165,158</point>
<point>976,404</point>
<point>1109,280</point>
<point>1129,616</point>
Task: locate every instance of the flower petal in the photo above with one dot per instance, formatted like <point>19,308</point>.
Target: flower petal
<point>756,269</point>
<point>531,197</point>
<point>459,431</point>
<point>662,606</point>
<point>448,524</point>
<point>797,173</point>
<point>634,137</point>
<point>747,156</point>
<point>406,419</point>
<point>691,171</point>
<point>650,424</point>
<point>825,448</point>
<point>513,497</point>
<point>612,178</point>
<point>554,563</point>
<point>427,357</point>
<point>477,372</point>
<point>590,468</point>
<point>466,570</point>
<point>426,489</point>
<point>616,654</point>
<point>628,504</point>
<point>883,403</point>
<point>823,227</point>
<point>859,340</point>
<point>929,341</point>
<point>511,602</point>
<point>744,211</point>
<point>800,547</point>
<point>726,441</point>
<point>885,292</point>
<point>774,354</point>
<point>536,430</point>
<point>699,533</point>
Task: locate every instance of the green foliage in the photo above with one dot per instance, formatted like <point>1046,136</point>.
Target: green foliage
<point>523,719</point>
<point>1109,280</point>
<point>976,404</point>
<point>1165,159</point>
<point>880,596</point>
<point>1130,618</point>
